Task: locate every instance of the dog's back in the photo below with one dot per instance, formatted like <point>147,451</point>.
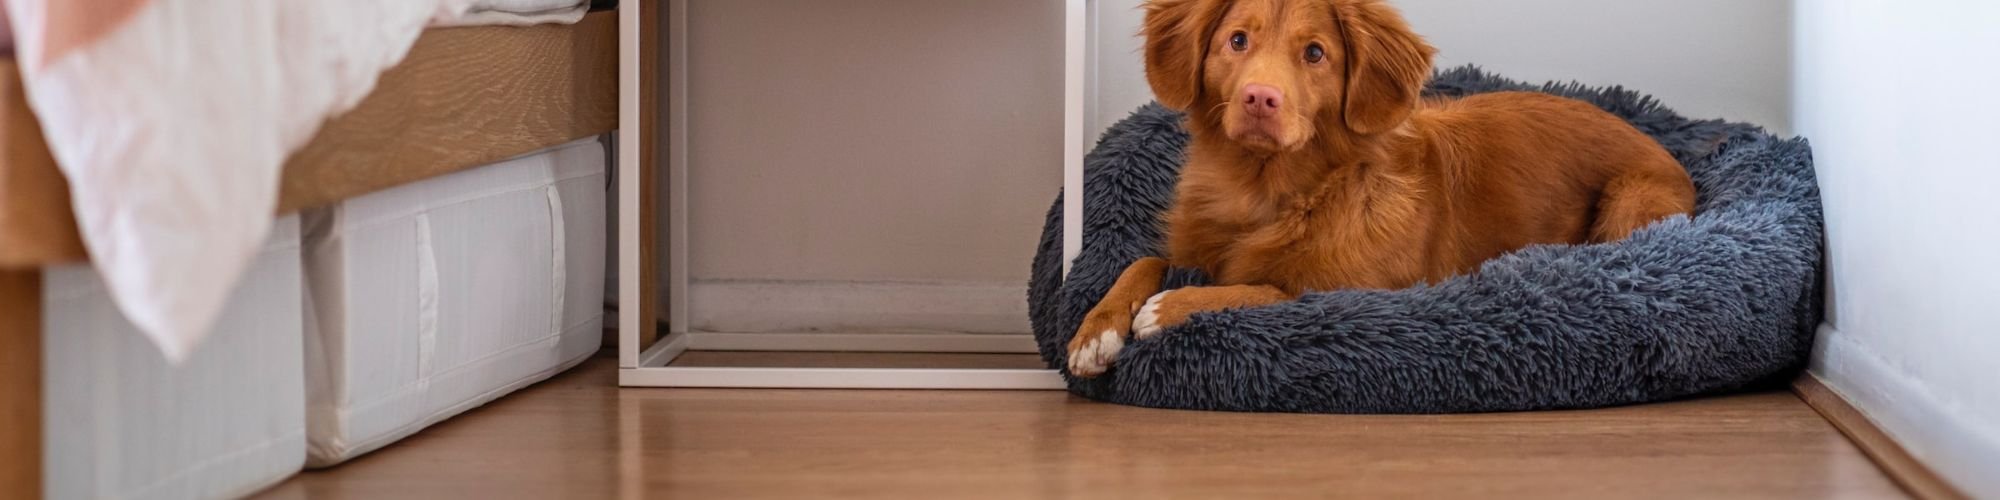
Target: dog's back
<point>1519,168</point>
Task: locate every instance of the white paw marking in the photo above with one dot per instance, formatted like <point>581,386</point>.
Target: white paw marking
<point>1147,323</point>
<point>1095,356</point>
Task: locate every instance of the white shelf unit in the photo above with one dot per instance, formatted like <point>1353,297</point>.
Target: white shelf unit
<point>650,367</point>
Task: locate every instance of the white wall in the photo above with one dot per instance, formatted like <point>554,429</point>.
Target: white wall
<point>1118,81</point>
<point>869,164</point>
<point>1705,58</point>
<point>1898,100</point>
<point>904,140</point>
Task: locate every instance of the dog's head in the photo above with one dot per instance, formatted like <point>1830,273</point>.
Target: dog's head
<point>1274,74</point>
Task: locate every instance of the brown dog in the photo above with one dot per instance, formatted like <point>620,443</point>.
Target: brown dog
<point>1315,164</point>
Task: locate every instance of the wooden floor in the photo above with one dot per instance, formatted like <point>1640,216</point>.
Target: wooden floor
<point>579,437</point>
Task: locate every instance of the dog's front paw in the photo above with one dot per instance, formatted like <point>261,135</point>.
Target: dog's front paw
<point>1162,311</point>
<point>1097,342</point>
<point>1091,355</point>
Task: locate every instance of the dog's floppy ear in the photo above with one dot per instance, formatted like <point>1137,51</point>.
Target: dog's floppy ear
<point>1387,64</point>
<point>1177,33</point>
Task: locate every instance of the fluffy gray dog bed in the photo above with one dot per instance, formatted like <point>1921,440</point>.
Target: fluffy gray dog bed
<point>1720,302</point>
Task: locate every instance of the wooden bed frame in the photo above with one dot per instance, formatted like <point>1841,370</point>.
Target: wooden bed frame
<point>464,97</point>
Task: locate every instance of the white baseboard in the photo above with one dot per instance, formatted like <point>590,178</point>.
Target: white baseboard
<point>1944,436</point>
<point>863,342</point>
<point>818,306</point>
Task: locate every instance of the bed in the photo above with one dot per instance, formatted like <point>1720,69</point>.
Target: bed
<point>463,97</point>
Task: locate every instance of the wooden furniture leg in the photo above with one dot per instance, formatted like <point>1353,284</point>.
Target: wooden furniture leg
<point>20,383</point>
<point>638,184</point>
<point>649,178</point>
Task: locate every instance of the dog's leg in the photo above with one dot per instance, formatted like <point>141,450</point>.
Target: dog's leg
<point>1173,307</point>
<point>1108,324</point>
<point>1637,199</point>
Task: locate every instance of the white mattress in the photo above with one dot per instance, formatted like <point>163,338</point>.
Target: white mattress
<point>123,423</point>
<point>432,298</point>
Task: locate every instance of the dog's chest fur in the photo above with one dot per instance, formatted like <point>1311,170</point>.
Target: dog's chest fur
<point>1301,227</point>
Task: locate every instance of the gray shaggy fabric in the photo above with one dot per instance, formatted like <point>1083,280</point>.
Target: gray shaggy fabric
<point>1720,302</point>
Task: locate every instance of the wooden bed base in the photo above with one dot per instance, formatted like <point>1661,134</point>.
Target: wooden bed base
<point>464,97</point>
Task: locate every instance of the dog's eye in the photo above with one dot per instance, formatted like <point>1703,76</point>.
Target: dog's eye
<point>1314,53</point>
<point>1239,41</point>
